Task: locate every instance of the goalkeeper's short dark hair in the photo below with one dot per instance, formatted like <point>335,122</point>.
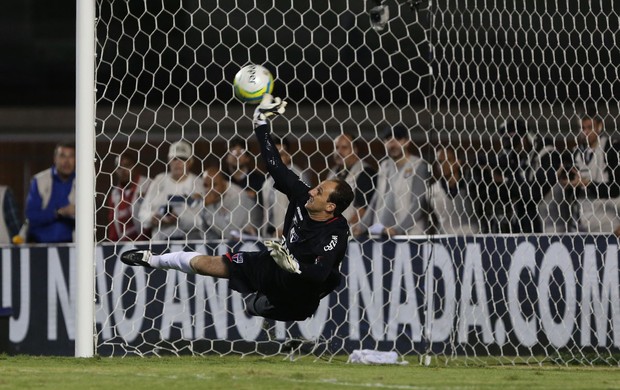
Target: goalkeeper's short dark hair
<point>342,196</point>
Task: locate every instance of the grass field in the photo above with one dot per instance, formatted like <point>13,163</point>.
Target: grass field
<point>235,372</point>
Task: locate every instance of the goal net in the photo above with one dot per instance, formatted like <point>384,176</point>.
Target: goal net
<point>503,265</point>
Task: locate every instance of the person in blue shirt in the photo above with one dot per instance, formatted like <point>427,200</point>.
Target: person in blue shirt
<point>50,205</point>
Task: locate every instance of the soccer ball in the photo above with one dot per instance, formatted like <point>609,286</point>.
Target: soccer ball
<point>252,82</point>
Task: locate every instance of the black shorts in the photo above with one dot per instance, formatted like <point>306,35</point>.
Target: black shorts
<point>250,271</point>
<point>258,304</point>
<point>273,292</point>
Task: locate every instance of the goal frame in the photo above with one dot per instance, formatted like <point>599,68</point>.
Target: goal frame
<point>473,126</point>
<point>85,178</point>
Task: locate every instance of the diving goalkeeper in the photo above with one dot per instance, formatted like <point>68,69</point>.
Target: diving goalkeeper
<point>286,281</point>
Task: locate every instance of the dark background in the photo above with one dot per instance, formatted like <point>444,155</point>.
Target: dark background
<point>483,49</point>
<point>37,40</point>
<point>37,87</point>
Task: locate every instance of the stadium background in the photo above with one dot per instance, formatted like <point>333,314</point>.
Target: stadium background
<point>37,72</point>
<point>481,55</point>
<point>489,58</point>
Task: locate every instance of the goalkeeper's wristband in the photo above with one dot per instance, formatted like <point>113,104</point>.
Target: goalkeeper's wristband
<point>259,120</point>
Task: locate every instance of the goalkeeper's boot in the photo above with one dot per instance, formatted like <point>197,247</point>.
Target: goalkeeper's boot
<point>137,257</point>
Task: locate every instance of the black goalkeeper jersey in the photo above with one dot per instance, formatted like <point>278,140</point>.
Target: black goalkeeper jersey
<point>318,246</point>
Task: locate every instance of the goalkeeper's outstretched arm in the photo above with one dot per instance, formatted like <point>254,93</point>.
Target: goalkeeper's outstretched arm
<point>285,180</point>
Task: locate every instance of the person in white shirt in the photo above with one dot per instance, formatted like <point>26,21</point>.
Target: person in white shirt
<point>166,209</point>
<point>399,205</point>
<point>592,185</point>
<point>227,211</point>
<point>348,165</point>
<point>273,201</point>
<point>450,195</point>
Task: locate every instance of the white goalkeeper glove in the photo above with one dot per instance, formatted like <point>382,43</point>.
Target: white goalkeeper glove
<point>267,108</point>
<point>282,257</point>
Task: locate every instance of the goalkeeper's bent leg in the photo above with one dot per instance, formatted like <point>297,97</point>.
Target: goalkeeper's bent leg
<point>211,266</point>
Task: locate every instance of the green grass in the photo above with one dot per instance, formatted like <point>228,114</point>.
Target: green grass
<point>249,372</point>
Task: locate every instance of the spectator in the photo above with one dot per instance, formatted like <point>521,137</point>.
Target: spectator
<point>241,168</point>
<point>399,204</point>
<point>592,187</point>
<point>275,202</point>
<point>50,204</point>
<point>513,182</point>
<point>359,175</point>
<point>450,195</point>
<point>166,207</point>
<point>227,210</point>
<point>10,222</point>
<point>126,197</point>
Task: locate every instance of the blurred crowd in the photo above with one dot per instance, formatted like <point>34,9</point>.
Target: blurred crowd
<point>525,185</point>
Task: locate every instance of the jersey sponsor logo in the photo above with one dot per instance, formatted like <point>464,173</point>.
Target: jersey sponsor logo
<point>237,258</point>
<point>269,145</point>
<point>332,244</point>
<point>293,236</point>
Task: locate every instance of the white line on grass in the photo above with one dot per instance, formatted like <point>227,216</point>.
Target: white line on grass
<point>336,382</point>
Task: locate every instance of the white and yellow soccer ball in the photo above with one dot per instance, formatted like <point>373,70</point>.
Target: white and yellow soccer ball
<point>252,82</point>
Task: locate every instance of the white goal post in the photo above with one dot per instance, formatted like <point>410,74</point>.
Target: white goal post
<point>85,178</point>
<point>451,73</point>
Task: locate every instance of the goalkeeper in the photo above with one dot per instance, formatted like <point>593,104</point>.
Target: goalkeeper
<point>286,281</point>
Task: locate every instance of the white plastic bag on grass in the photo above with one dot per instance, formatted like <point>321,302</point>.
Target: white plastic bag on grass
<point>369,356</point>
